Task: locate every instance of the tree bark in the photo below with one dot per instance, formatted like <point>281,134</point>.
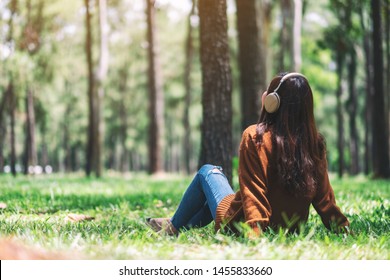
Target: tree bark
<point>189,57</point>
<point>352,109</point>
<point>216,139</point>
<point>340,118</point>
<point>99,96</point>
<point>251,61</point>
<point>264,8</point>
<point>30,159</point>
<point>369,92</point>
<point>124,161</point>
<point>381,162</point>
<point>12,109</point>
<point>90,156</point>
<point>387,78</point>
<point>297,27</point>
<point>156,97</point>
<point>286,40</point>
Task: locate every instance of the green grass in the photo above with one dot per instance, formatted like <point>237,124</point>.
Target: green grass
<point>38,206</point>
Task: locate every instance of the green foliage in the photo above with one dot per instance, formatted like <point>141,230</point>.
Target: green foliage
<point>37,208</point>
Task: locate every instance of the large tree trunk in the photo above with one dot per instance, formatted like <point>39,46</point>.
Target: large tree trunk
<point>381,162</point>
<point>156,97</point>
<point>216,139</point>
<point>387,77</point>
<point>251,61</point>
<point>189,56</point>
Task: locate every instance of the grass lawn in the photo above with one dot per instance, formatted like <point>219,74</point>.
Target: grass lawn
<point>37,210</point>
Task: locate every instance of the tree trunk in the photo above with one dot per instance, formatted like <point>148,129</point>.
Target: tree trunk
<point>381,162</point>
<point>156,97</point>
<point>340,118</point>
<point>251,61</point>
<point>12,109</point>
<point>124,161</point>
<point>9,100</point>
<point>90,93</point>
<point>3,126</point>
<point>189,56</point>
<point>352,109</point>
<point>3,133</point>
<point>216,139</point>
<point>369,92</point>
<point>387,78</point>
<point>30,159</point>
<point>297,27</point>
<point>264,8</point>
<point>286,40</point>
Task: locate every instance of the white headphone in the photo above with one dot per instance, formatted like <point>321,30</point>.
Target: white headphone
<point>272,100</point>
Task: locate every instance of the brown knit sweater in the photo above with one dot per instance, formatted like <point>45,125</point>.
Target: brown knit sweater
<point>263,202</point>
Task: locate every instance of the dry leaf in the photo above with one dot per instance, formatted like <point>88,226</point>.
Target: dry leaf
<point>78,218</point>
<point>3,205</point>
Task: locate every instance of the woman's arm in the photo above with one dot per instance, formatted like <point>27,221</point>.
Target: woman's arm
<point>252,174</point>
<point>324,203</point>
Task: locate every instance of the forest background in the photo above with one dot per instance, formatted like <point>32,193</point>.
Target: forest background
<point>100,86</point>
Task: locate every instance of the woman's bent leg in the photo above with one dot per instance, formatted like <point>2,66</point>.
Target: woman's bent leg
<point>206,190</point>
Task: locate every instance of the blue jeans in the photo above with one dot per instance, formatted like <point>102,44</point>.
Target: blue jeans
<point>199,203</point>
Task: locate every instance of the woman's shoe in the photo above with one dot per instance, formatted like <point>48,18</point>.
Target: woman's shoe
<point>162,225</point>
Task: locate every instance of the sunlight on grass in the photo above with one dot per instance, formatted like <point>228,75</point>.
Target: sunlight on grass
<point>37,208</point>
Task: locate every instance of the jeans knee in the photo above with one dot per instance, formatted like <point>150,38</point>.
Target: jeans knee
<point>207,168</point>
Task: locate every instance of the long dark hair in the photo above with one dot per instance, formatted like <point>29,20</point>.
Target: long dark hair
<point>300,149</point>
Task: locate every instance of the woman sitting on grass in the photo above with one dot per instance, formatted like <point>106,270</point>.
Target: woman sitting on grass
<point>282,170</point>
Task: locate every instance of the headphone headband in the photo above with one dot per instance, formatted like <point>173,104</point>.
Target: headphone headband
<point>272,100</point>
<point>289,75</point>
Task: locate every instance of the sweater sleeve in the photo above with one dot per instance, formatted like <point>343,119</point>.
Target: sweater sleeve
<point>252,174</point>
<point>324,203</point>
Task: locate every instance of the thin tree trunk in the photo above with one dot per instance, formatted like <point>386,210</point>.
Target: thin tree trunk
<point>381,162</point>
<point>297,26</point>
<point>189,51</point>
<point>9,97</point>
<point>124,161</point>
<point>100,79</point>
<point>286,40</point>
<point>156,97</point>
<point>352,109</point>
<point>216,139</point>
<point>3,133</point>
<point>3,126</point>
<point>251,61</point>
<point>12,109</point>
<point>90,92</point>
<point>264,8</point>
<point>30,148</point>
<point>369,93</point>
<point>340,118</point>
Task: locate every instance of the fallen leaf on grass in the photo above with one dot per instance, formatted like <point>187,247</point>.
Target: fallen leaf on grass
<point>78,218</point>
<point>3,205</point>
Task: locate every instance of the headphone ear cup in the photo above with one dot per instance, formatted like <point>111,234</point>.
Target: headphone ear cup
<point>272,102</point>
